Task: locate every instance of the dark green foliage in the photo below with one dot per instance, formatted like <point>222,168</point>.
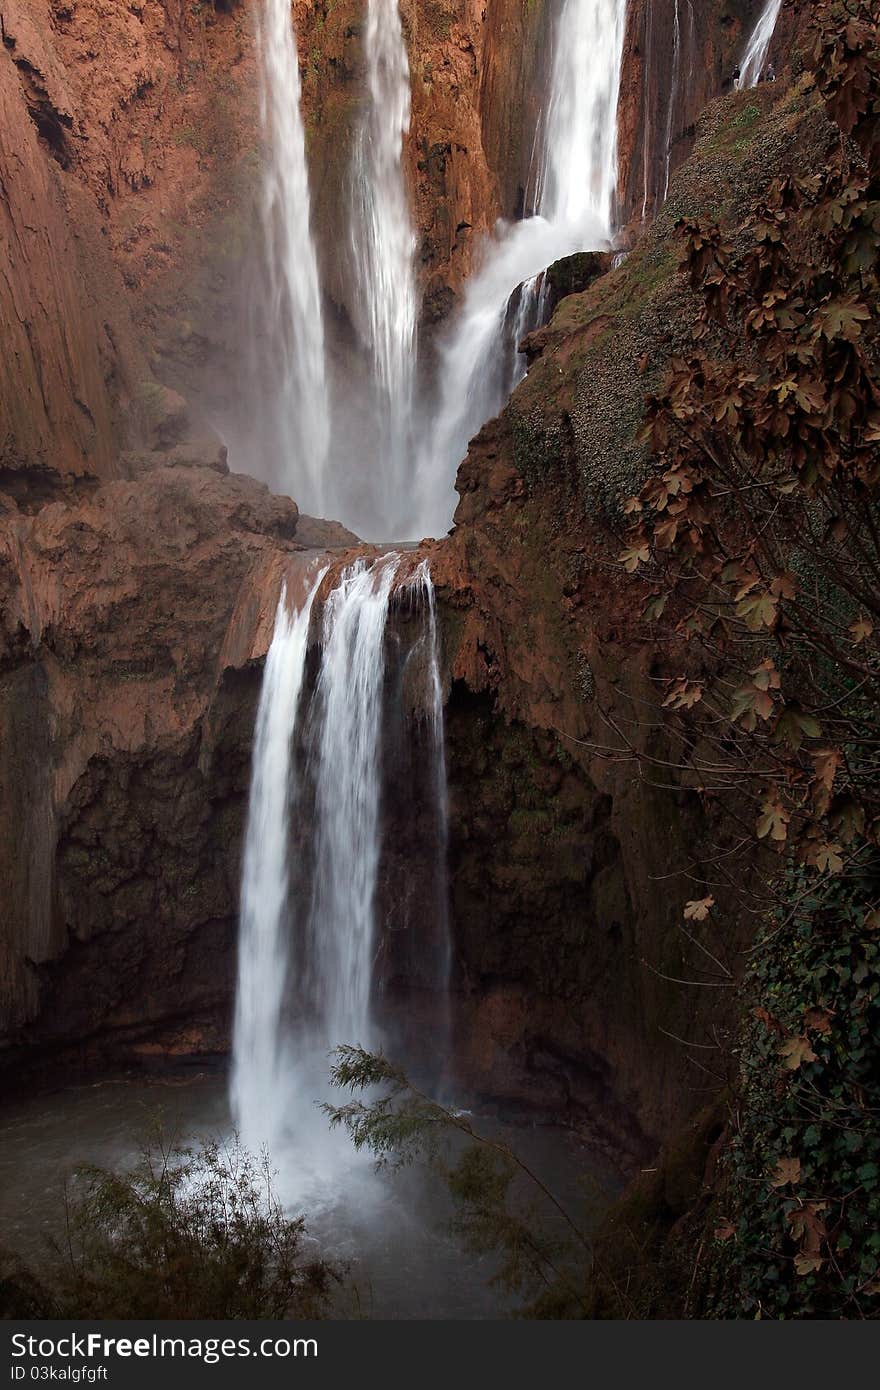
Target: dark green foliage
<point>186,1234</point>
<point>801,1229</point>
<point>502,1206</point>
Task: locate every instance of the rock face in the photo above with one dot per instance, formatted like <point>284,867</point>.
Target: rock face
<point>678,56</point>
<point>130,619</point>
<point>572,854</point>
<point>138,577</point>
<point>59,358</point>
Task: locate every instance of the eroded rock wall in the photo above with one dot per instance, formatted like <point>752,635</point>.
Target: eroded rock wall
<point>130,617</point>
<point>59,365</point>
<point>679,55</point>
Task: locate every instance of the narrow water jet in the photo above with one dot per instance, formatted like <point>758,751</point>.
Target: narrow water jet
<point>383,247</point>
<point>674,81</point>
<point>422,588</point>
<point>753,63</point>
<point>288,353</point>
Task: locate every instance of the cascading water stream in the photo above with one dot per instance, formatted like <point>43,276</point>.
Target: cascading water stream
<point>422,586</point>
<point>384,243</point>
<point>579,179</point>
<point>755,58</point>
<point>347,705</point>
<point>291,354</point>
<point>264,933</point>
<point>682,41</point>
<point>574,208</point>
<point>309,939</point>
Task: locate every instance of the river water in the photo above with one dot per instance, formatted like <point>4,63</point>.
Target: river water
<point>390,1229</point>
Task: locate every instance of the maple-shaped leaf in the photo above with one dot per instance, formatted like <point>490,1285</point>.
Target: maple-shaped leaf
<point>770,1023</point>
<point>684,694</point>
<point>698,909</point>
<point>808,1262</point>
<point>848,818</point>
<point>766,676</point>
<point>827,859</point>
<point>635,556</point>
<point>793,725</point>
<point>725,1231</point>
<point>860,630</point>
<point>784,586</point>
<point>843,318</point>
<point>788,1170</point>
<point>655,607</point>
<point>666,532</point>
<point>796,1051</point>
<point>826,763</point>
<point>759,610</point>
<point>753,701</point>
<point>810,396</point>
<point>773,820</point>
<point>747,580</point>
<point>872,920</point>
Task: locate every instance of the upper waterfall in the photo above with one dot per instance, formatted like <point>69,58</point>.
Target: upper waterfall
<point>290,350</point>
<point>759,45</point>
<point>577,182</point>
<point>383,244</point>
<point>572,197</point>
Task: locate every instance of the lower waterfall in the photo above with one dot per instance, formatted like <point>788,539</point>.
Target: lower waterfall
<point>312,960</point>
<point>264,943</point>
<point>340,940</point>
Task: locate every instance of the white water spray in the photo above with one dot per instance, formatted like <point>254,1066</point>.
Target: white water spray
<point>347,772</point>
<point>294,352</point>
<point>264,932</point>
<point>753,63</point>
<point>574,206</point>
<point>384,243</point>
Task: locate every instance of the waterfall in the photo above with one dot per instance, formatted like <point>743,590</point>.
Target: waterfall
<point>309,937</point>
<point>384,243</point>
<point>347,772</point>
<point>291,353</point>
<point>752,65</point>
<point>573,211</point>
<point>673,88</point>
<point>678,92</point>
<point>263,951</point>
<point>579,179</point>
<point>422,587</point>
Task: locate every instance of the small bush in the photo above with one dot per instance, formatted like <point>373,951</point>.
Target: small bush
<point>186,1234</point>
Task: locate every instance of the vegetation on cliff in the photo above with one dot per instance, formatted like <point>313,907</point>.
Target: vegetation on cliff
<point>757,534</point>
